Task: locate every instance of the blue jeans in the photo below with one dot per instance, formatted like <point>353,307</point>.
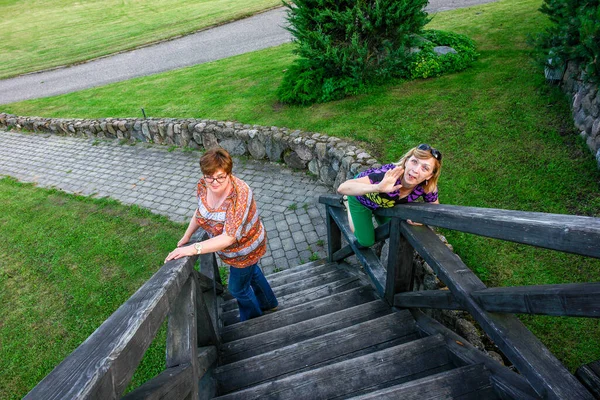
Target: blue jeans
<point>251,290</point>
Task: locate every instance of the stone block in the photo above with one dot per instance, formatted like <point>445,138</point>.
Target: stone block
<point>209,140</point>
<point>275,146</point>
<point>292,159</point>
<point>595,131</point>
<point>443,50</point>
<point>235,147</point>
<point>257,149</point>
<point>327,174</point>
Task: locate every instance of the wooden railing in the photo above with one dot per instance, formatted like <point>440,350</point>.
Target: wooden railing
<point>490,307</point>
<point>102,366</point>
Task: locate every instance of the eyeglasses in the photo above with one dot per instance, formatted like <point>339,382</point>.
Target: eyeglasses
<point>219,179</point>
<point>434,152</point>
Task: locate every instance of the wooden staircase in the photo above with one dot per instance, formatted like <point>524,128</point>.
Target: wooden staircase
<point>333,337</point>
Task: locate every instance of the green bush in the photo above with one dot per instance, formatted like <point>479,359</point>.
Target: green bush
<point>426,63</point>
<point>574,34</point>
<point>346,45</point>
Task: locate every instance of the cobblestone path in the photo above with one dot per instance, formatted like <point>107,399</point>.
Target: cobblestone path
<point>164,182</point>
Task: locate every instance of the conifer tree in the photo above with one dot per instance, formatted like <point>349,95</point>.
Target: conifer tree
<point>346,45</point>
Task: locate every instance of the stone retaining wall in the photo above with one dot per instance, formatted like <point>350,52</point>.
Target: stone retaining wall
<point>331,159</point>
<point>585,105</point>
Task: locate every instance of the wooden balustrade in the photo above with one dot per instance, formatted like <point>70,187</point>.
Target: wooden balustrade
<point>492,308</point>
<point>102,366</point>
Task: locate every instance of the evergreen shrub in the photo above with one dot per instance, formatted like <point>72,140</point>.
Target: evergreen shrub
<point>574,34</point>
<point>347,46</point>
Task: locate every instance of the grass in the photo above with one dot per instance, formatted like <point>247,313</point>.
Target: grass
<point>507,138</point>
<point>66,264</point>
<point>41,34</point>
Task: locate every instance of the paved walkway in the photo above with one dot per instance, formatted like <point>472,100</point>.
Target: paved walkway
<point>165,183</point>
<point>250,34</point>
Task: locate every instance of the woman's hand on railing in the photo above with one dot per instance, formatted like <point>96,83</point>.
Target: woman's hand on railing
<point>180,252</point>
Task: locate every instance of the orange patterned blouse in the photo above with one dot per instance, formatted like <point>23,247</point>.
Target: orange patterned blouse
<point>237,216</point>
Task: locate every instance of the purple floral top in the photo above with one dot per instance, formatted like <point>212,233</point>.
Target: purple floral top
<point>387,200</point>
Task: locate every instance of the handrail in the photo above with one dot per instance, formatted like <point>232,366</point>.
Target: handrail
<point>566,233</point>
<point>103,365</point>
<point>572,234</point>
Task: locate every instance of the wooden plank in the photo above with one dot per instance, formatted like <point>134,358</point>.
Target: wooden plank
<point>589,375</point>
<point>574,299</point>
<point>438,299</point>
<point>284,301</point>
<point>333,200</point>
<point>396,364</point>
<point>102,366</point>
<point>472,381</point>
<point>568,233</point>
<point>298,276</point>
<point>297,268</point>
<point>400,269</point>
<point>337,302</point>
<point>304,354</point>
<point>182,333</point>
<point>303,297</point>
<point>334,236</point>
<point>206,283</point>
<point>545,373</point>
<point>312,282</point>
<point>381,233</point>
<point>286,335</point>
<point>366,256</point>
<point>508,384</point>
<point>173,383</point>
<point>208,332</point>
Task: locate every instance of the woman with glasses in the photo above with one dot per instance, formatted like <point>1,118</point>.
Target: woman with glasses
<point>227,212</point>
<point>413,177</point>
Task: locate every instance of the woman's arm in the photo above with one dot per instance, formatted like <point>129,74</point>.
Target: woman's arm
<point>362,186</point>
<point>208,246</point>
<point>192,227</point>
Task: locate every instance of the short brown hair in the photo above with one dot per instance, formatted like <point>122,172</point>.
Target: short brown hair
<point>216,159</point>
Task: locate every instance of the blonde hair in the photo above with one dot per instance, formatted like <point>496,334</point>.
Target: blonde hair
<point>431,184</point>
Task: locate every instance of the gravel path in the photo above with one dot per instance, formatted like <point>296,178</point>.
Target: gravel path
<point>250,34</point>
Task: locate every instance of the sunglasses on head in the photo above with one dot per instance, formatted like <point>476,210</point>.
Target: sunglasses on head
<point>434,152</point>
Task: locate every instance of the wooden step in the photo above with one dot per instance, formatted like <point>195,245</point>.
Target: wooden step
<point>331,275</point>
<point>274,276</point>
<point>469,382</point>
<point>373,371</point>
<point>302,312</point>
<point>302,297</point>
<point>398,327</point>
<point>295,276</point>
<point>287,335</point>
<point>308,265</point>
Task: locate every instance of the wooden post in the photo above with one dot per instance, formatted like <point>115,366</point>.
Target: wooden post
<point>208,333</point>
<point>208,267</point>
<point>182,334</point>
<point>400,263</point>
<point>334,236</point>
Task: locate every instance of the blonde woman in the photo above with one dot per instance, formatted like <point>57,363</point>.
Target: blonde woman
<point>413,177</point>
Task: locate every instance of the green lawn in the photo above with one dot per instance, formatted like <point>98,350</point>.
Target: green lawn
<point>40,34</point>
<point>507,138</point>
<point>66,264</point>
